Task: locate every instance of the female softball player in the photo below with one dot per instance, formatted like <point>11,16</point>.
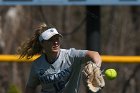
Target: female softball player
<point>56,70</point>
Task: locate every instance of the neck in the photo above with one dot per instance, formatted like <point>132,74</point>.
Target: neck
<point>51,57</point>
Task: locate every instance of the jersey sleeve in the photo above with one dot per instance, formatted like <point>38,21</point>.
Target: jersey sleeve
<point>33,80</point>
<point>79,55</point>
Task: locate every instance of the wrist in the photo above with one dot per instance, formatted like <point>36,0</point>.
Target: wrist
<point>98,65</point>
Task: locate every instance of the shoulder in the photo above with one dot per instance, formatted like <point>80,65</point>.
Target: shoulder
<point>68,50</point>
<point>73,51</point>
<point>38,60</point>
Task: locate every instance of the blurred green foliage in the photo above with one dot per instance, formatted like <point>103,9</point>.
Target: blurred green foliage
<point>13,89</point>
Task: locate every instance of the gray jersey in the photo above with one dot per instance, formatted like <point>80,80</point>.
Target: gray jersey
<point>60,77</point>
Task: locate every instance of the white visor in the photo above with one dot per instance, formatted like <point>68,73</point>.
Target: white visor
<point>46,35</point>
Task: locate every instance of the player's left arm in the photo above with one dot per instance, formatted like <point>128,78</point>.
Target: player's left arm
<point>95,57</point>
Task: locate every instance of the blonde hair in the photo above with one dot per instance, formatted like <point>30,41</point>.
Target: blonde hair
<point>32,46</point>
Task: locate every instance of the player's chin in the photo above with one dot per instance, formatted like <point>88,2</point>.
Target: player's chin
<point>55,49</point>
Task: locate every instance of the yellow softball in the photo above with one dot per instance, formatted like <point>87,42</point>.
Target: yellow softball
<point>110,74</point>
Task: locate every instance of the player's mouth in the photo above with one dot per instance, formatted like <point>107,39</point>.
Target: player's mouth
<point>55,47</point>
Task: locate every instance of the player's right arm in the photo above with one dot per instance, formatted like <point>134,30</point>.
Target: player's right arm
<point>33,80</point>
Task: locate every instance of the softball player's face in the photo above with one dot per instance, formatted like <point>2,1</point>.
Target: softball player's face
<point>52,45</point>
